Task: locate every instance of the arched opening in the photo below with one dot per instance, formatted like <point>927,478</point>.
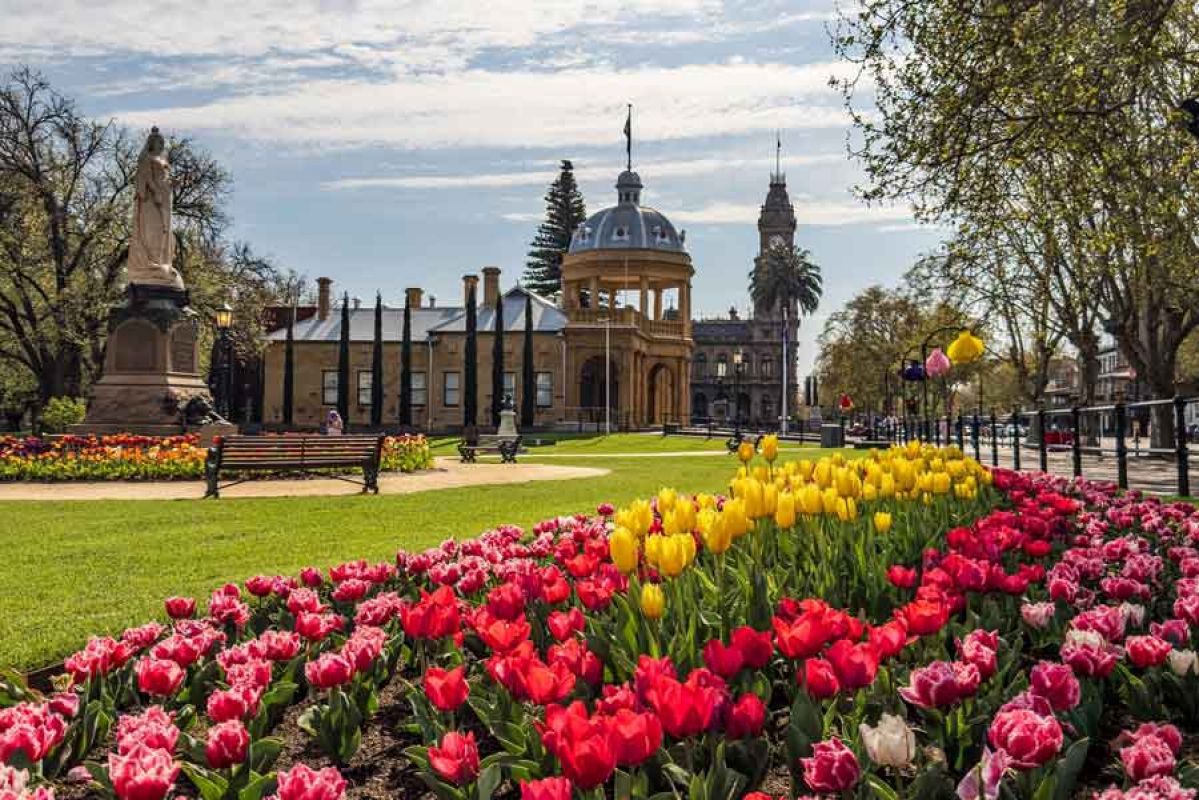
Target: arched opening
<point>595,388</point>
<point>699,406</point>
<point>661,395</point>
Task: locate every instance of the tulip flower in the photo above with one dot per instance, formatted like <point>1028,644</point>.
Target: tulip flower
<point>937,363</point>
<point>1028,737</point>
<point>745,718</point>
<point>626,554</point>
<point>142,773</point>
<point>228,743</point>
<point>180,607</point>
<point>546,789</point>
<point>302,782</point>
<point>882,522</point>
<point>832,768</point>
<point>745,451</point>
<point>819,679</point>
<point>447,690</point>
<point>755,647</point>
<point>456,758</point>
<point>328,671</point>
<point>634,736</point>
<point>891,743</point>
<point>784,514</point>
<point>770,447</point>
<point>159,677</point>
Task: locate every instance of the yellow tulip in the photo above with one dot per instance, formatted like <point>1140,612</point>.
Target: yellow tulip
<point>822,473</point>
<point>623,546</point>
<point>869,492</point>
<point>717,537</point>
<point>810,501</point>
<point>745,451</point>
<point>770,447</point>
<point>637,517</point>
<point>770,499</point>
<point>784,515</point>
<point>882,521</point>
<point>673,554</point>
<point>754,505</point>
<point>653,601</point>
<point>666,500</point>
<point>736,522</point>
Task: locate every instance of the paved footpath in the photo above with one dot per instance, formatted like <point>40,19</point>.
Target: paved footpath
<point>446,474</point>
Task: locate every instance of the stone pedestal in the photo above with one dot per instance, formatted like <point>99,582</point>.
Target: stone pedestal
<point>507,428</point>
<point>151,369</point>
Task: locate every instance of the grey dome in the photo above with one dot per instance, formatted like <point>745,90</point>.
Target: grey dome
<point>628,225</point>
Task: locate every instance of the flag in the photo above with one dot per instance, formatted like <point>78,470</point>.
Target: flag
<point>628,137</point>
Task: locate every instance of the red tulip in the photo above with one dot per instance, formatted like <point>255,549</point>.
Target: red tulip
<point>1147,651</point>
<point>331,669</point>
<point>302,782</point>
<point>180,607</point>
<point>745,718</point>
<point>582,745</point>
<point>1147,758</point>
<point>456,759</point>
<point>724,661</point>
<point>153,728</point>
<point>240,702</point>
<point>311,577</point>
<point>65,704</point>
<point>260,585</point>
<point>856,665</point>
<point>434,617</point>
<point>315,627</point>
<point>159,677</point>
<point>1028,737</point>
<point>1057,684</point>
<point>634,737</point>
<point>940,684</point>
<point>546,789</point>
<point>547,683</point>
<point>686,709</point>
<point>364,647</point>
<point>447,690</point>
<point>901,576</point>
<point>506,601</point>
<point>554,586</point>
<point>351,590</point>
<point>227,744</point>
<point>803,638</point>
<point>32,729</point>
<point>142,773</point>
<point>563,624</point>
<point>279,645</point>
<point>819,679</point>
<point>889,639</point>
<point>924,618</point>
<point>500,635</point>
<point>756,646</point>
<point>832,768</point>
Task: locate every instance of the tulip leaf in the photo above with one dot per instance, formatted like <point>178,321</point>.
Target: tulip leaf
<point>208,783</point>
<point>1068,768</point>
<point>263,753</point>
<point>880,788</point>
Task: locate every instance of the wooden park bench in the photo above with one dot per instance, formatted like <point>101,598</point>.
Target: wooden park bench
<point>506,447</point>
<point>243,455</point>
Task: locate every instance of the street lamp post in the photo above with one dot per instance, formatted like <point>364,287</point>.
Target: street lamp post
<point>224,321</point>
<point>738,370</point>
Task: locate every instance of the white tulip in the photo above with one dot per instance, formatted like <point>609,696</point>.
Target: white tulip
<point>1183,662</point>
<point>891,743</point>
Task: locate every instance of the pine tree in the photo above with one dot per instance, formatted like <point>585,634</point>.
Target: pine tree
<point>497,362</point>
<point>343,364</point>
<point>564,211</point>
<point>406,368</point>
<point>377,366</point>
<point>528,379</point>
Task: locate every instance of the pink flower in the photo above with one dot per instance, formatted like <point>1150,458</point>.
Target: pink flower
<point>180,607</point>
<point>311,577</point>
<point>153,728</point>
<point>982,782</point>
<point>240,702</point>
<point>302,782</point>
<point>1090,657</point>
<point>1147,651</point>
<point>978,648</point>
<point>832,768</point>
<point>1149,756</point>
<point>940,684</point>
<point>31,729</point>
<point>1057,684</point>
<point>1029,738</point>
<point>1038,615</point>
<point>456,759</point>
<point>159,677</point>
<point>937,363</point>
<point>227,744</point>
<point>143,773</point>
<point>330,670</point>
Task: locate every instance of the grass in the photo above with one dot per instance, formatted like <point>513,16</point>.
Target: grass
<point>75,569</point>
<point>558,444</point>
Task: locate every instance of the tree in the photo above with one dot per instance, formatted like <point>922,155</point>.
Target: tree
<point>785,278</point>
<point>65,199</point>
<point>528,378</point>
<point>406,367</point>
<point>497,361</point>
<point>470,367</point>
<point>377,366</point>
<point>343,363</point>
<point>564,211</point>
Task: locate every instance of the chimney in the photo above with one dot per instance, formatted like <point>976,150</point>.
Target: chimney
<point>323,303</point>
<point>491,285</point>
<point>414,296</point>
<point>432,301</point>
<point>357,303</point>
<point>469,282</point>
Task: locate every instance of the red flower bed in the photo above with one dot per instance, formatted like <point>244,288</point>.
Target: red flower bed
<point>1040,648</point>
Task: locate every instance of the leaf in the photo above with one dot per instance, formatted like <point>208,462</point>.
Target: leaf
<point>1068,768</point>
<point>208,783</point>
<point>880,788</point>
<point>263,753</point>
<point>489,781</point>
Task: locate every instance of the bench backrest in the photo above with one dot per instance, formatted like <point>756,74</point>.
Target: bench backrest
<point>299,451</point>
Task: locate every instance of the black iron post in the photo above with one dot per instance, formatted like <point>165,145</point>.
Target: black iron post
<point>1015,441</point>
<point>1180,437</point>
<point>1076,439</point>
<point>1121,446</point>
<point>1042,445</point>
<point>994,439</point>
<point>974,437</point>
<point>738,366</point>
<point>961,432</point>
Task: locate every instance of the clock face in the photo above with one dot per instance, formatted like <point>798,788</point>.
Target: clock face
<point>777,241</point>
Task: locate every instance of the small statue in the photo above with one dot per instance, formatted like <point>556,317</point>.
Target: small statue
<point>152,243</point>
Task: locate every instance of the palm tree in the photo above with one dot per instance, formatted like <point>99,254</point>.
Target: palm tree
<point>786,275</point>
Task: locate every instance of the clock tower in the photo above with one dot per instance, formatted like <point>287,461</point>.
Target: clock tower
<point>776,228</point>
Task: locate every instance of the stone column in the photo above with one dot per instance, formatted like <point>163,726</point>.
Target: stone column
<point>685,306</point>
<point>658,303</point>
<point>644,297</point>
<point>593,298</point>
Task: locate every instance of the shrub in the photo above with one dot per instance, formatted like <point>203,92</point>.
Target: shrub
<point>62,412</point>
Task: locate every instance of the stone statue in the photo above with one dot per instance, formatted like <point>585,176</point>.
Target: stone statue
<point>152,244</point>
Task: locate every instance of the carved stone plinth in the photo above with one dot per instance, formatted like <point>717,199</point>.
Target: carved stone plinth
<point>151,368</point>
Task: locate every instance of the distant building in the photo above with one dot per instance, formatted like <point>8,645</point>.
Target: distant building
<point>759,339</point>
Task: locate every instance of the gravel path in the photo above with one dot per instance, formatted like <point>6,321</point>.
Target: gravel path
<point>447,473</point>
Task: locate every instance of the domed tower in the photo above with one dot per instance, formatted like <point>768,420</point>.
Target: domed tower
<point>626,290</point>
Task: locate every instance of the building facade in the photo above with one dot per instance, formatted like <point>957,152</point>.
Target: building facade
<point>717,391</point>
<point>617,350</point>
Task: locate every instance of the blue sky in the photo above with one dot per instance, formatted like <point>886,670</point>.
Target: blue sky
<point>389,144</point>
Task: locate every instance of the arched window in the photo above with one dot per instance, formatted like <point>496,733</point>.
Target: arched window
<point>722,365</point>
<point>767,367</point>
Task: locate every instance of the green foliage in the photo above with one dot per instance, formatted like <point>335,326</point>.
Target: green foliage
<point>62,412</point>
<point>785,277</point>
<point>564,211</point>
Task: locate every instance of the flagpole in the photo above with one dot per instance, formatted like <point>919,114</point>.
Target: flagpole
<point>786,365</point>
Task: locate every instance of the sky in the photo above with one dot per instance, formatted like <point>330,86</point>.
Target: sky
<point>408,142</point>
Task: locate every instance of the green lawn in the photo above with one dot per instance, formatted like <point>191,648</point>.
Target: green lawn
<point>72,569</point>
<point>617,443</point>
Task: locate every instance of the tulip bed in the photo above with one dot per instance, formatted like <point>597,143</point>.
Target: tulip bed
<point>906,625</point>
<point>131,457</point>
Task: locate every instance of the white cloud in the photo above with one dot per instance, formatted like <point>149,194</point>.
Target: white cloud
<point>820,213</point>
<point>480,108</point>
<point>648,171</point>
